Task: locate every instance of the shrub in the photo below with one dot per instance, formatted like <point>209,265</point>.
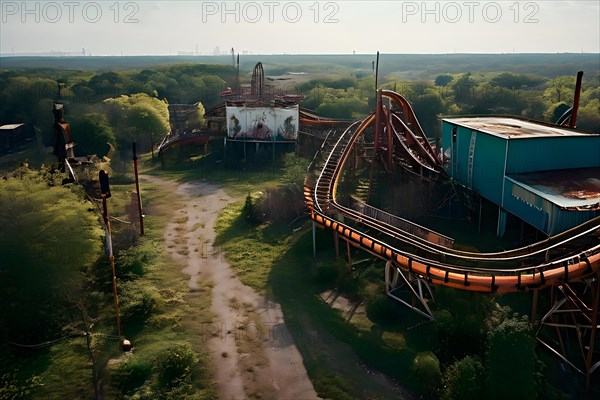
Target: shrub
<point>137,301</point>
<point>510,357</point>
<point>248,210</point>
<point>426,373</point>
<point>327,273</point>
<point>130,375</point>
<point>463,380</point>
<point>132,263</point>
<point>384,311</point>
<point>285,202</point>
<point>174,365</point>
<point>461,322</point>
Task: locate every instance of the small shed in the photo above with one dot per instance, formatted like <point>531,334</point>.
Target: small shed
<point>546,175</point>
<point>11,136</point>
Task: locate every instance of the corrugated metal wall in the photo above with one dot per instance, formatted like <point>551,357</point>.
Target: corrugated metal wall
<point>543,153</point>
<point>477,161</point>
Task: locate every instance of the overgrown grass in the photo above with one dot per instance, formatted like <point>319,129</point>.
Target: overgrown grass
<point>251,248</point>
<point>169,358</point>
<point>237,178</point>
<point>276,259</point>
<point>160,315</point>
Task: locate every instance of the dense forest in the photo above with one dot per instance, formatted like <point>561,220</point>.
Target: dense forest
<point>119,105</point>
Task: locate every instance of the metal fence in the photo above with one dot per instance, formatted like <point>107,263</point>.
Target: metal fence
<point>400,223</point>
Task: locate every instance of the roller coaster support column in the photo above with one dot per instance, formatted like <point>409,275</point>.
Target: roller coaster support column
<point>376,144</point>
<point>534,305</point>
<point>590,356</point>
<point>349,251</point>
<point>390,140</point>
<point>314,239</point>
<point>396,283</point>
<point>570,328</point>
<point>336,242</point>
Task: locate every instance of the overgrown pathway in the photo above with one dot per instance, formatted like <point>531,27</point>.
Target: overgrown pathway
<point>253,354</point>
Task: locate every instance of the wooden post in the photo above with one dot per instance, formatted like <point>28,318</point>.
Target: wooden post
<point>111,258</point>
<point>137,188</point>
<point>336,242</point>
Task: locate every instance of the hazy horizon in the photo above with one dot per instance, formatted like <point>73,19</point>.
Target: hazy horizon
<point>161,28</point>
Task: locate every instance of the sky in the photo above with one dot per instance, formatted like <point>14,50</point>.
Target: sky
<point>193,27</point>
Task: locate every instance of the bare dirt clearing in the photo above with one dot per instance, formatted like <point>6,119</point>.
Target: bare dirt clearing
<point>253,354</point>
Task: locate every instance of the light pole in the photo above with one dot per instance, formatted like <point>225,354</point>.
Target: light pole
<point>105,193</point>
<point>137,188</point>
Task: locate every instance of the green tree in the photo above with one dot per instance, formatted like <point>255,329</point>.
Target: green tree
<point>560,89</point>
<point>515,81</point>
<point>588,116</point>
<point>21,98</point>
<point>463,380</point>
<point>426,373</point>
<point>196,120</point>
<point>139,118</point>
<point>443,79</point>
<point>462,87</point>
<point>510,357</point>
<point>427,107</point>
<point>48,239</point>
<point>555,111</point>
<point>93,134</point>
<point>462,322</point>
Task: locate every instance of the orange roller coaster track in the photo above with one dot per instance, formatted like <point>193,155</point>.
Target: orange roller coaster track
<point>536,266</point>
<point>563,262</point>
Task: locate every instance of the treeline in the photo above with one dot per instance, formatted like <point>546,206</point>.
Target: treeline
<point>108,107</point>
<point>118,107</point>
<point>498,93</point>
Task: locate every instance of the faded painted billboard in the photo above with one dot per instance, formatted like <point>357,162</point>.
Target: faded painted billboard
<point>262,123</point>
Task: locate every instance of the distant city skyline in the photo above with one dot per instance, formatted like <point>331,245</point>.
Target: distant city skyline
<point>298,27</point>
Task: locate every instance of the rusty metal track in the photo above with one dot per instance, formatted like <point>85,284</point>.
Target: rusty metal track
<point>539,265</point>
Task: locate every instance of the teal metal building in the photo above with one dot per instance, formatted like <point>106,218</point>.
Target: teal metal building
<point>546,175</point>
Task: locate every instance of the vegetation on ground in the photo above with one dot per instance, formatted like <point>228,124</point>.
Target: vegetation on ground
<point>60,321</point>
<point>59,318</point>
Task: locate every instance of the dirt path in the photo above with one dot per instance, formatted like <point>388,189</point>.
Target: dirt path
<point>253,354</point>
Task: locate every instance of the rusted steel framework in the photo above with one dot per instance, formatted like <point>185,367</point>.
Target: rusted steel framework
<point>415,263</point>
<point>257,86</point>
<point>573,314</point>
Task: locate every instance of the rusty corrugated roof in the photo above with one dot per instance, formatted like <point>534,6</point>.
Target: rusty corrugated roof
<point>514,128</point>
<point>569,188</point>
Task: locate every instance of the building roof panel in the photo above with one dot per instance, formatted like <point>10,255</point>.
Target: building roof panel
<point>10,127</point>
<point>515,128</point>
<point>570,189</point>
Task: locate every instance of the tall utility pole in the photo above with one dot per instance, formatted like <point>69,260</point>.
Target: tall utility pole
<point>105,193</point>
<point>137,189</point>
<point>376,71</point>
